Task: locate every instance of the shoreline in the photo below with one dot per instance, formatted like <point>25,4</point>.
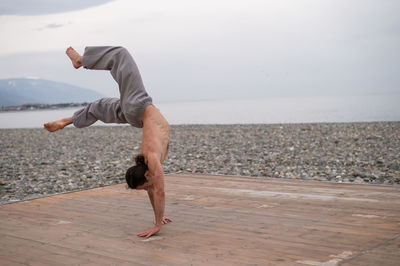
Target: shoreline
<point>101,124</point>
<point>36,163</point>
<point>40,107</point>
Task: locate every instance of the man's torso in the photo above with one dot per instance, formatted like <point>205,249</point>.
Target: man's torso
<point>155,138</point>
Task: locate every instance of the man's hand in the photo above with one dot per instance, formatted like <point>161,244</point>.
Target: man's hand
<point>150,232</point>
<point>164,220</point>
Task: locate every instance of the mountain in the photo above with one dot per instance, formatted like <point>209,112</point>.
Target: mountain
<point>27,90</point>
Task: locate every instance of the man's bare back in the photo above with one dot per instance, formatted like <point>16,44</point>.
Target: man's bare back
<point>155,138</point>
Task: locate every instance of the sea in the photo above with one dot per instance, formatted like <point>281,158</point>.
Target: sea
<point>273,110</point>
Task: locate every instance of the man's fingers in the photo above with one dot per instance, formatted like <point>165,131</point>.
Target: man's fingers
<point>146,234</point>
<point>150,234</point>
<point>143,234</point>
<point>166,220</point>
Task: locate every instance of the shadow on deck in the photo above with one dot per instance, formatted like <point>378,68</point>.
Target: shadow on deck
<point>218,220</point>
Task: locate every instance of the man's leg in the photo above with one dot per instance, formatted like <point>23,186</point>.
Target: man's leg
<point>107,110</point>
<point>133,96</point>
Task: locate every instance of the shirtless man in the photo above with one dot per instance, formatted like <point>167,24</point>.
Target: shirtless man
<point>134,107</point>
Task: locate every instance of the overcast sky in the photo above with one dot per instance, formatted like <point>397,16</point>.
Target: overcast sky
<point>212,49</point>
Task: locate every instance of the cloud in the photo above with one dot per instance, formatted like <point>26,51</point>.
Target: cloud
<point>51,26</point>
<point>42,7</point>
<point>187,50</point>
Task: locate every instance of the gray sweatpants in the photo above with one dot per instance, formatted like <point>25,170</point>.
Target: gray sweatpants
<point>133,99</point>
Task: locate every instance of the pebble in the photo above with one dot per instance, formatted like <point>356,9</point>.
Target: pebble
<point>34,162</point>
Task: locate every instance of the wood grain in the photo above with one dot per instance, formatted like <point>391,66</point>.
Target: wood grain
<point>217,220</point>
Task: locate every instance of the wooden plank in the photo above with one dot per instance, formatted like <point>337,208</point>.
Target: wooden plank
<point>218,220</point>
<point>385,253</point>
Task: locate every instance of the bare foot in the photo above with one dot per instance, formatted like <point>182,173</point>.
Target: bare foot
<point>56,125</point>
<point>76,58</point>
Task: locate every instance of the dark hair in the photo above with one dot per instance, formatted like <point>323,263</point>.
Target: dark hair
<point>135,175</point>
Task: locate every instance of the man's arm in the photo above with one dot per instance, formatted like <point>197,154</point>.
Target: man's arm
<point>151,197</point>
<point>165,220</point>
<point>156,192</point>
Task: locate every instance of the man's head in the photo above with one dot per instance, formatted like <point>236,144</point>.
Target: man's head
<point>136,175</point>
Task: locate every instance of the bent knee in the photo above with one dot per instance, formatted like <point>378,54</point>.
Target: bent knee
<point>122,50</point>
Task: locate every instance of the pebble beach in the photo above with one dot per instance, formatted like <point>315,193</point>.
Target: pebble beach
<point>35,163</point>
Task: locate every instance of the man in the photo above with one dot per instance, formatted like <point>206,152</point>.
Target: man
<point>134,107</point>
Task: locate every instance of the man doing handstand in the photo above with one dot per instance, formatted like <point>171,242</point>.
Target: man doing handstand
<point>134,107</point>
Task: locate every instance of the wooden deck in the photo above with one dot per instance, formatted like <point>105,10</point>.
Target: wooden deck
<point>218,220</point>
